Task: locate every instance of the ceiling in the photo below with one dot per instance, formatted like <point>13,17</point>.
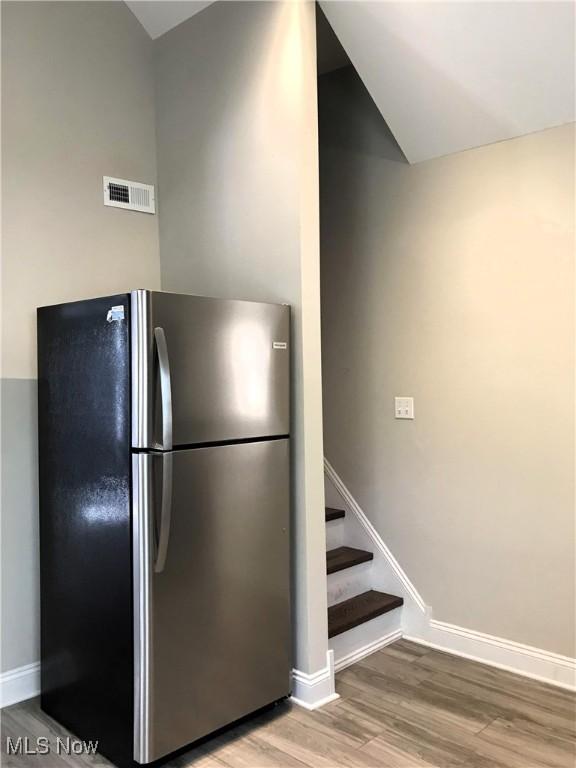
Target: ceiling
<point>449,76</point>
<point>329,51</point>
<point>446,76</point>
<point>159,16</point>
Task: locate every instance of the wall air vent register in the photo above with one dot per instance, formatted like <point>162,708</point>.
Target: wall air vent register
<point>131,195</point>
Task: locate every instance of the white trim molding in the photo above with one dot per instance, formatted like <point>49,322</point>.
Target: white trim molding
<point>312,691</point>
<point>536,663</point>
<point>366,650</point>
<point>374,535</point>
<point>19,684</point>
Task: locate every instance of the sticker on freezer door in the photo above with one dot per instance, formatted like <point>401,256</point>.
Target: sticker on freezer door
<point>279,345</point>
<point>115,314</point>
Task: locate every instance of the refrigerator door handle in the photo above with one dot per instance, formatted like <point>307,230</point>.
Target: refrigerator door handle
<point>165,513</point>
<point>165,387</point>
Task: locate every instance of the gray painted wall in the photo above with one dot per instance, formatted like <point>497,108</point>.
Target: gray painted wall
<point>229,207</point>
<point>453,281</point>
<point>238,187</point>
<point>77,104</point>
<point>19,631</point>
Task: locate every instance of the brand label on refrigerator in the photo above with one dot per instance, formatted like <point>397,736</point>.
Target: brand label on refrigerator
<point>279,345</point>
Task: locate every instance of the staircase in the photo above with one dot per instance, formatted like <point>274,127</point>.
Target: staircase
<point>366,604</point>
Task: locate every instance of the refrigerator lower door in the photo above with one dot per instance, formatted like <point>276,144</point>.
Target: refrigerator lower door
<point>211,589</point>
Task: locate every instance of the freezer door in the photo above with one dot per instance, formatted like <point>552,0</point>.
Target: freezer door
<point>207,370</point>
<point>212,589</point>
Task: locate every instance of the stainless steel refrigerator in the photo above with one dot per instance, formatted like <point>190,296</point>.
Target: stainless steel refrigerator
<point>164,517</point>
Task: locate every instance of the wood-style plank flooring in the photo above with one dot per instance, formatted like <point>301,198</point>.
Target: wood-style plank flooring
<point>403,707</point>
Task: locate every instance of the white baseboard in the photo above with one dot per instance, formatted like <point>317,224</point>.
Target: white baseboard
<point>19,684</point>
<point>366,650</point>
<point>315,690</point>
<point>536,663</point>
<point>309,691</point>
<point>374,536</point>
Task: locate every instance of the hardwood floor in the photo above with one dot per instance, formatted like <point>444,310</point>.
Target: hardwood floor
<point>403,707</point>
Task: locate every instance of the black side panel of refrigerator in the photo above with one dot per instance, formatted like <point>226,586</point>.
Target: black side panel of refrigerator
<point>85,521</point>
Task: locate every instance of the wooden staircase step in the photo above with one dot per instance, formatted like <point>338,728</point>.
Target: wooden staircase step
<point>334,514</point>
<point>345,557</point>
<point>357,610</point>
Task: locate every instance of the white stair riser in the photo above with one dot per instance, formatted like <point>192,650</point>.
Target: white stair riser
<point>366,638</point>
<point>350,582</point>
<point>335,533</point>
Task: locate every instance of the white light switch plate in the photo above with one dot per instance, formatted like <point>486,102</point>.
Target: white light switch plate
<point>404,407</point>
